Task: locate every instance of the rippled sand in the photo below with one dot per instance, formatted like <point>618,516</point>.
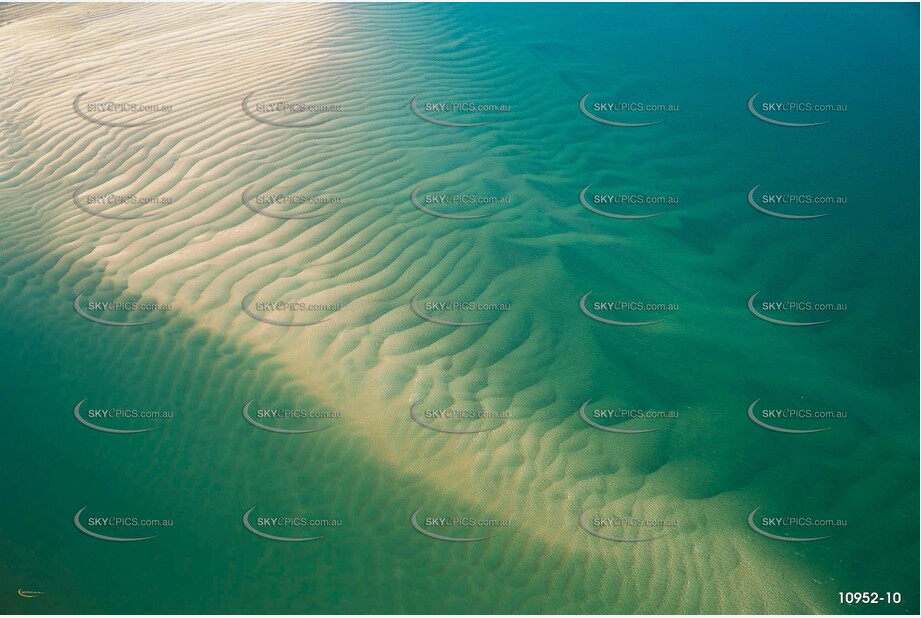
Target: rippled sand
<point>372,252</point>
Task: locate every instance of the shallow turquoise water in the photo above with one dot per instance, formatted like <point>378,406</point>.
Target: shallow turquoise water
<point>708,468</point>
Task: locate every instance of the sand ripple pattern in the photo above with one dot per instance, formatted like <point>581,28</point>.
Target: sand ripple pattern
<point>370,251</point>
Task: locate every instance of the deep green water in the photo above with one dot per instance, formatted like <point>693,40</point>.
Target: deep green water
<point>374,467</point>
